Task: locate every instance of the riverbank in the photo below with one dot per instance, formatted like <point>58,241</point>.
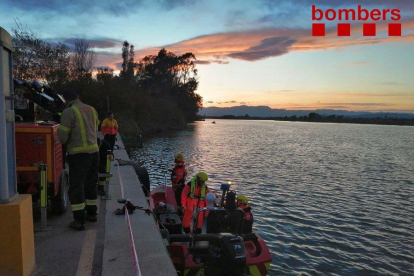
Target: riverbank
<point>327,119</point>
<point>131,128</point>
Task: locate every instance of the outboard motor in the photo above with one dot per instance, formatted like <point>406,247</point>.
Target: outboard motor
<point>226,255</point>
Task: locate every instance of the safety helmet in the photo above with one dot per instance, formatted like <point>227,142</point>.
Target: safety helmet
<point>179,157</point>
<point>243,199</point>
<point>202,176</point>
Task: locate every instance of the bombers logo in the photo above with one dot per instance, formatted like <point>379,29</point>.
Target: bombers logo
<point>360,14</point>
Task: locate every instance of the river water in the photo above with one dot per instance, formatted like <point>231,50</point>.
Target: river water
<point>329,199</point>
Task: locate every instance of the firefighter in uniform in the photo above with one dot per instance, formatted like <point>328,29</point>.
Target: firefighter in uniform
<point>109,129</point>
<point>242,202</point>
<point>178,176</point>
<point>192,198</point>
<point>78,128</point>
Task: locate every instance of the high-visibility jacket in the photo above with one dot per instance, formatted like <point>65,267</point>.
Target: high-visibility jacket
<point>78,128</point>
<point>248,219</point>
<point>179,173</point>
<point>246,209</point>
<point>193,194</point>
<point>109,126</point>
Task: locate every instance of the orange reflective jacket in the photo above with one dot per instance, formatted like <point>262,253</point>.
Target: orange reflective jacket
<point>194,198</point>
<point>179,172</point>
<point>109,127</point>
<point>246,209</point>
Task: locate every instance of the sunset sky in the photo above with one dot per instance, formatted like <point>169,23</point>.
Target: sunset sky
<point>248,52</point>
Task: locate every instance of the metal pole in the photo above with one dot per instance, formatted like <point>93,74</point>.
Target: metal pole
<point>108,172</point>
<point>43,196</point>
<point>8,186</point>
<point>108,164</point>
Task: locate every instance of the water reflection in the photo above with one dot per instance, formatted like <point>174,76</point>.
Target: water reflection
<point>328,198</point>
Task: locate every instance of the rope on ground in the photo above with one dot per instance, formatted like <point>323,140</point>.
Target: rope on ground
<point>137,270</point>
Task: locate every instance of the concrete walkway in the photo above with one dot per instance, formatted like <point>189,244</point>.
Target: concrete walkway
<point>104,248</point>
<point>153,258</point>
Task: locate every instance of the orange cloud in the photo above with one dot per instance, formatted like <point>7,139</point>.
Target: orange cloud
<point>253,45</point>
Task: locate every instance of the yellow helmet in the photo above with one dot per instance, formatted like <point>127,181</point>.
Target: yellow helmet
<point>243,199</point>
<point>202,176</point>
<point>179,156</point>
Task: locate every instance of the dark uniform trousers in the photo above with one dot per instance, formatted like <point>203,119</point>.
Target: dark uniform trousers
<point>110,139</point>
<point>83,176</point>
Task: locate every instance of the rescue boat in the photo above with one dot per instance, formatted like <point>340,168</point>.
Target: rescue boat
<point>216,251</point>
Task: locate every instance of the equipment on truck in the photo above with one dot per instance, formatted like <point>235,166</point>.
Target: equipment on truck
<point>39,154</point>
<point>27,94</point>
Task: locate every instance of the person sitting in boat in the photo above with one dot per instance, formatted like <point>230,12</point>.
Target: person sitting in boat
<point>242,202</point>
<point>193,197</point>
<point>178,176</point>
<point>211,200</point>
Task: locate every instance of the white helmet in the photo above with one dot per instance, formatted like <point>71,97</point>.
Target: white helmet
<point>211,199</point>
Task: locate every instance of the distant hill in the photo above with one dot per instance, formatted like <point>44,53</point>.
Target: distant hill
<point>265,111</point>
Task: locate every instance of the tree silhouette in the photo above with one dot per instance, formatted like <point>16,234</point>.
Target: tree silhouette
<point>172,77</point>
<point>83,59</point>
<point>128,62</point>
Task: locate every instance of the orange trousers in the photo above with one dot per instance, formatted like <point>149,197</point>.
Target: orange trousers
<point>188,215</point>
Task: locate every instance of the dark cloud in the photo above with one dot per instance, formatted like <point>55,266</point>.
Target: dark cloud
<point>118,65</point>
<point>269,47</point>
<point>117,8</point>
<point>210,102</point>
<point>173,4</point>
<point>288,12</point>
<point>95,43</point>
<point>102,67</point>
<point>288,4</point>
<point>76,7</point>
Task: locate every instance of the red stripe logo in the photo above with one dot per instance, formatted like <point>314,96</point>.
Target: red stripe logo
<point>356,15</point>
